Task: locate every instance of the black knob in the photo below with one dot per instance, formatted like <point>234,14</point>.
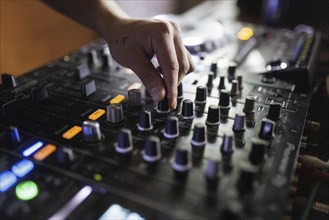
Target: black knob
<point>65,156</point>
<point>163,106</point>
<point>88,88</point>
<point>182,161</point>
<point>81,71</point>
<point>12,136</point>
<point>239,122</point>
<point>91,132</point>
<point>267,129</point>
<point>257,153</point>
<point>212,170</point>
<point>135,98</point>
<point>145,121</point>
<point>188,109</point>
<point>152,149</point>
<point>114,114</point>
<point>213,115</point>
<point>231,71</point>
<point>274,112</point>
<point>210,79</point>
<point>239,78</point>
<point>249,105</point>
<point>180,94</point>
<point>92,58</point>
<point>214,68</point>
<point>8,81</point>
<point>235,88</point>
<point>39,94</point>
<point>171,127</point>
<point>201,95</point>
<point>221,83</point>
<point>124,142</point>
<point>245,182</point>
<point>224,99</point>
<point>199,135</point>
<point>227,145</point>
<point>107,61</point>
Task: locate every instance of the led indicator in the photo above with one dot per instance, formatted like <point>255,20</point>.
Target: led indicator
<point>32,149</point>
<point>7,179</point>
<point>98,177</point>
<point>22,167</point>
<point>27,190</point>
<point>245,33</point>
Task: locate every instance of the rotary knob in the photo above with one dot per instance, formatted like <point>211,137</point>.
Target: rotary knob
<point>239,79</point>
<point>210,79</point>
<point>91,132</point>
<point>171,127</point>
<point>201,95</point>
<point>124,142</point>
<point>8,81</point>
<point>182,160</point>
<point>187,109</point>
<point>135,98</point>
<point>107,61</point>
<point>266,130</point>
<point>212,173</point>
<point>199,135</point>
<point>234,88</point>
<point>214,68</point>
<point>114,114</point>
<point>180,94</point>
<point>12,136</point>
<point>249,105</point>
<point>39,94</point>
<point>152,149</point>
<point>145,121</point>
<point>163,106</point>
<point>231,71</point>
<point>92,58</point>
<point>239,122</point>
<point>274,112</point>
<point>224,100</point>
<point>257,153</point>
<point>221,83</point>
<point>227,145</point>
<point>213,115</point>
<point>245,182</point>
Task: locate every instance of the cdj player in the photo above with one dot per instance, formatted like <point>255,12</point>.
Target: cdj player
<point>81,139</point>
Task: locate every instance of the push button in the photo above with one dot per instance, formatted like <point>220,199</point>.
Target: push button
<point>72,132</point>
<point>45,152</point>
<point>117,99</point>
<point>96,115</point>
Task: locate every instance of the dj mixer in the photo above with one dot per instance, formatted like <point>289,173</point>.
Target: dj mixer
<point>80,138</point>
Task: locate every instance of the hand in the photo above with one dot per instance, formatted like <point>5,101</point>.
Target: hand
<point>134,42</point>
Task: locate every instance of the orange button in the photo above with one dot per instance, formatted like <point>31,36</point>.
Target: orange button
<point>44,152</point>
<point>117,99</point>
<point>72,132</point>
<point>98,113</point>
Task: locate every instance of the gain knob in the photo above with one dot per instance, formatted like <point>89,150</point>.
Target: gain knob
<point>274,112</point>
<point>199,135</point>
<point>182,160</point>
<point>145,121</point>
<point>201,95</point>
<point>135,98</point>
<point>266,130</point>
<point>114,114</point>
<point>187,109</point>
<point>171,127</point>
<point>213,115</point>
<point>227,145</point>
<point>163,106</point>
<point>91,132</point>
<point>249,105</point>
<point>152,149</point>
<point>124,142</point>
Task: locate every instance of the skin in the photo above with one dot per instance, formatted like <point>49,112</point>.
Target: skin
<point>133,43</point>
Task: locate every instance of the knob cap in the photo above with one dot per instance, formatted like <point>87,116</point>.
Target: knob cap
<point>12,136</point>
<point>188,109</point>
<point>213,115</point>
<point>39,94</point>
<point>171,127</point>
<point>212,171</point>
<point>163,106</point>
<point>274,112</point>
<point>8,81</point>
<point>92,58</point>
<point>91,132</point>
<point>235,88</point>
<point>227,145</point>
<point>180,94</point>
<point>65,156</point>
<point>210,79</point>
<point>214,68</point>
<point>231,71</point>
<point>152,149</point>
<point>114,114</point>
<point>224,99</point>
<point>201,95</point>
<point>249,105</point>
<point>221,83</point>
<point>267,129</point>
<point>257,153</point>
<point>145,121</point>
<point>124,142</point>
<point>182,161</point>
<point>135,98</point>
<point>239,122</point>
<point>199,135</point>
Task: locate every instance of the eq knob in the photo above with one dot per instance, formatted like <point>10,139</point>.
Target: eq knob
<point>135,98</point>
<point>187,109</point>
<point>239,122</point>
<point>213,115</point>
<point>8,81</point>
<point>152,149</point>
<point>221,84</point>
<point>171,127</point>
<point>257,153</point>
<point>274,112</point>
<point>124,142</point>
<point>266,130</point>
<point>114,114</point>
<point>201,95</point>
<point>163,106</point>
<point>145,121</point>
<point>249,105</point>
<point>227,145</point>
<point>199,135</point>
<point>182,161</point>
<point>91,132</point>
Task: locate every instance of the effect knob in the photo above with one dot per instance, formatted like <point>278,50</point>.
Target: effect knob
<point>201,95</point>
<point>91,132</point>
<point>239,122</point>
<point>8,81</point>
<point>114,114</point>
<point>135,98</point>
<point>224,100</point>
<point>257,153</point>
<point>249,105</point>
<point>227,145</point>
<point>266,130</point>
<point>145,121</point>
<point>124,142</point>
<point>187,109</point>
<point>152,149</point>
<point>221,83</point>
<point>171,127</point>
<point>213,115</point>
<point>12,136</point>
<point>182,161</point>
<point>274,112</point>
<point>163,106</point>
<point>199,135</point>
<point>234,88</point>
<point>180,94</point>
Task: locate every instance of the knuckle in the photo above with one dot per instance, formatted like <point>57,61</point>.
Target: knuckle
<point>164,27</point>
<point>175,26</point>
<point>172,67</point>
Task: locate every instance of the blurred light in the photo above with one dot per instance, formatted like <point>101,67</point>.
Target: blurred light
<point>193,41</point>
<point>98,177</point>
<point>27,190</point>
<point>283,65</point>
<point>22,167</point>
<point>32,149</point>
<point>7,179</point>
<point>245,33</point>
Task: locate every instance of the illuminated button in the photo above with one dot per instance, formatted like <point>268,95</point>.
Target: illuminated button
<point>72,132</point>
<point>7,179</point>
<point>98,177</point>
<point>245,33</point>
<point>22,167</point>
<point>44,152</point>
<point>117,99</point>
<point>32,149</point>
<point>97,114</point>
<point>27,190</point>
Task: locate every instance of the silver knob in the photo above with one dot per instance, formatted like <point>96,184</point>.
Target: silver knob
<point>91,132</point>
<point>135,98</point>
<point>114,114</point>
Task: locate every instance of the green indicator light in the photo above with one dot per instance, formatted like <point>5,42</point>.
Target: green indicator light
<point>26,190</point>
<point>98,177</point>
